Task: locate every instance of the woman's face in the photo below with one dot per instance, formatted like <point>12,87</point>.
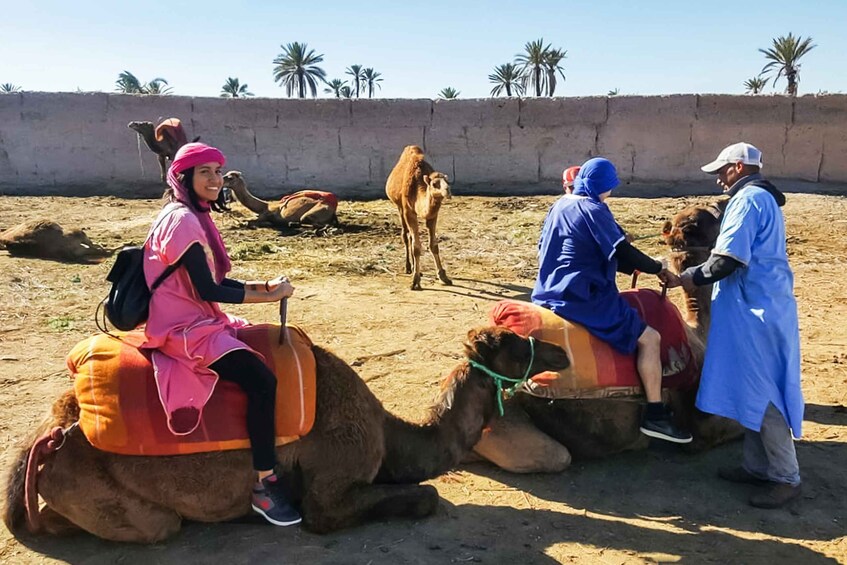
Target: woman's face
<point>208,181</point>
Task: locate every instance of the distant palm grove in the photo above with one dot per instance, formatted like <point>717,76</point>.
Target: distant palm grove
<point>536,71</point>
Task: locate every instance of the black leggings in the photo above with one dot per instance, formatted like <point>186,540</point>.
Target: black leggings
<point>245,369</point>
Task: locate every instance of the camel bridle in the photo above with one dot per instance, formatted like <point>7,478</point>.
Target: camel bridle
<point>499,379</point>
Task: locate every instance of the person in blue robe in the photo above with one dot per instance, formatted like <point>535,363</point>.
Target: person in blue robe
<point>580,250</point>
<point>751,372</point>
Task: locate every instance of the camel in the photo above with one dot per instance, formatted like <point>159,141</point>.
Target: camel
<point>418,190</point>
<point>164,140</point>
<point>358,463</point>
<point>540,435</point>
<point>44,239</point>
<point>307,207</point>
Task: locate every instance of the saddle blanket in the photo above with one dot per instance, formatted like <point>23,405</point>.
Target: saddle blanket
<point>120,410</point>
<point>327,198</point>
<point>597,370</point>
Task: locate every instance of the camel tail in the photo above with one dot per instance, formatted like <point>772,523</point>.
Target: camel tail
<point>65,411</point>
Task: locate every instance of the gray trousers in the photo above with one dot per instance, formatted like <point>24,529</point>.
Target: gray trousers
<point>769,454</point>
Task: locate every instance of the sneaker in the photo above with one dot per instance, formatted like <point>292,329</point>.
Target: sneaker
<point>269,501</point>
<point>776,496</point>
<point>663,428</point>
<point>739,475</point>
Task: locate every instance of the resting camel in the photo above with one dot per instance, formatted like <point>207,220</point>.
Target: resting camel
<point>306,207</point>
<point>417,190</point>
<point>43,239</point>
<point>164,140</point>
<point>358,463</point>
<point>540,435</point>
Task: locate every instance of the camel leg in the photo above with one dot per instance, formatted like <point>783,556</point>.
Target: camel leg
<point>414,235</point>
<point>514,444</point>
<point>318,215</point>
<point>329,506</point>
<point>405,236</point>
<point>433,248</point>
<point>708,430</point>
<point>163,167</point>
<point>76,486</point>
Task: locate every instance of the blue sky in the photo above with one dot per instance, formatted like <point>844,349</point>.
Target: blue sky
<point>640,47</point>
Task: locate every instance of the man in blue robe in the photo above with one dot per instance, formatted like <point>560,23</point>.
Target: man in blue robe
<point>752,369</point>
<point>580,250</point>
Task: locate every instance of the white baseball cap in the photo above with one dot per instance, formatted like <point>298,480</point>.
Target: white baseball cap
<point>735,153</point>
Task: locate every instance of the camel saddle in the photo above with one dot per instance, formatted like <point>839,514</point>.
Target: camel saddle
<point>293,199</point>
<point>172,128</point>
<point>597,370</point>
<point>120,410</point>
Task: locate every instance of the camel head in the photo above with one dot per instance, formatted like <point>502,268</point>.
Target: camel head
<point>692,233</point>
<point>143,128</point>
<point>507,353</point>
<point>438,186</point>
<point>233,181</point>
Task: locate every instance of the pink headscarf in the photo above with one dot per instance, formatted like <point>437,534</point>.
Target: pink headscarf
<point>191,155</point>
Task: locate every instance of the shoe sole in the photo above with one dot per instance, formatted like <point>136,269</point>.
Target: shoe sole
<point>276,522</point>
<point>657,435</point>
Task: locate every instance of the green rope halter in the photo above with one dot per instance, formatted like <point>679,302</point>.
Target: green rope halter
<point>500,379</point>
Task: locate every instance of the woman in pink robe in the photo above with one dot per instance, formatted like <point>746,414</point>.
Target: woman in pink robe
<point>193,342</point>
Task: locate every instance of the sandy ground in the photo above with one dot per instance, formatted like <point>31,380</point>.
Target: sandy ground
<point>658,505</point>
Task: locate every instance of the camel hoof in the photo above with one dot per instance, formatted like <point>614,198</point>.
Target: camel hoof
<point>416,283</point>
<point>408,269</point>
<point>444,278</point>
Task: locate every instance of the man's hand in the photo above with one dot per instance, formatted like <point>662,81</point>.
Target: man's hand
<point>687,281</point>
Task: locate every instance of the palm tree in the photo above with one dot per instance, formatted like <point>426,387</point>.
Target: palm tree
<point>371,78</point>
<point>346,91</point>
<point>335,86</point>
<point>155,87</point>
<point>232,88</point>
<point>784,56</point>
<point>614,92</point>
<point>506,77</point>
<point>355,71</point>
<point>8,88</point>
<point>297,68</point>
<point>534,64</point>
<point>128,83</point>
<point>448,93</point>
<point>755,85</point>
<point>551,64</point>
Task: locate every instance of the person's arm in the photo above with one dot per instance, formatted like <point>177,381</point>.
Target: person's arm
<point>631,259</point>
<point>230,291</point>
<point>715,268</point>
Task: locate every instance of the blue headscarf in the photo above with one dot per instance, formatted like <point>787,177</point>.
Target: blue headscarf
<point>595,177</point>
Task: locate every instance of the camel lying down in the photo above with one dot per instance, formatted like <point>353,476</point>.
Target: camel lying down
<point>358,463</point>
<point>44,239</point>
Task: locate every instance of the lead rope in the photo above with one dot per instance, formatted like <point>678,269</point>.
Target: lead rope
<point>140,159</point>
<point>500,379</point>
<point>49,443</point>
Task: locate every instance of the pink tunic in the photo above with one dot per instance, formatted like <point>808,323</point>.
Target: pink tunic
<point>185,332</point>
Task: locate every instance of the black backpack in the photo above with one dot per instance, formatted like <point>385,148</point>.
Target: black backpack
<point>128,303</point>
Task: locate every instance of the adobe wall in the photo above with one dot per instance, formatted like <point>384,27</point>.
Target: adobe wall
<point>73,144</point>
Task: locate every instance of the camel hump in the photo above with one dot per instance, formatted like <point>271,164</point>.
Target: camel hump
<point>172,129</point>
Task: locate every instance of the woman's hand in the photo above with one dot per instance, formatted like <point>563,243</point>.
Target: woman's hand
<point>279,288</point>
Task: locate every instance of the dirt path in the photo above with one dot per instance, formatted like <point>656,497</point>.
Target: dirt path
<point>653,506</point>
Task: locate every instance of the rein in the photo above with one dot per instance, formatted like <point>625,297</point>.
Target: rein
<point>500,379</point>
<point>50,442</point>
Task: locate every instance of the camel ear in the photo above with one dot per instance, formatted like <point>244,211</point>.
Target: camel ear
<point>666,229</point>
<point>427,180</point>
<point>479,344</point>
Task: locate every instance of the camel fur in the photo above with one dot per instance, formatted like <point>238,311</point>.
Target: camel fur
<point>44,239</point>
<point>291,212</point>
<point>359,463</point>
<point>539,435</point>
<point>418,191</point>
<point>164,140</point>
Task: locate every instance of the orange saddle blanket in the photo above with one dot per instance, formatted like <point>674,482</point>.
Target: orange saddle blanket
<point>120,411</point>
<point>597,370</point>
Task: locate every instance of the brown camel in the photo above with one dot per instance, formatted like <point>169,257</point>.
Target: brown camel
<point>418,190</point>
<point>43,239</point>
<point>308,207</point>
<point>540,435</point>
<point>164,140</point>
<point>358,463</point>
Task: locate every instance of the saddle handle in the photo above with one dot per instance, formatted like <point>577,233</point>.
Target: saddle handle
<point>634,284</point>
<point>283,315</point>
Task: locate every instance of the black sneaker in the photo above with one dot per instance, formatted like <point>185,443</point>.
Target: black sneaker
<point>663,428</point>
<point>270,503</point>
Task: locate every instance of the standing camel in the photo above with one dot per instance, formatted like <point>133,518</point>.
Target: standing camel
<point>358,463</point>
<point>164,140</point>
<point>417,190</point>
